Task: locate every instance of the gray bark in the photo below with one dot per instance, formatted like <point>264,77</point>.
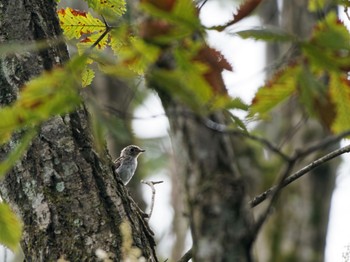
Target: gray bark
<point>67,195</point>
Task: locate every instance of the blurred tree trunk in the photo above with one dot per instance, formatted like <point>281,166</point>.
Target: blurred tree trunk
<point>66,194</point>
<point>297,231</point>
<point>218,213</point>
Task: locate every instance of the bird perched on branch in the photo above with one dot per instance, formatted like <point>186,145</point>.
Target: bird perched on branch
<point>126,164</point>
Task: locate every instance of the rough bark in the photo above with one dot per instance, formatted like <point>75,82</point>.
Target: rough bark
<point>70,201</point>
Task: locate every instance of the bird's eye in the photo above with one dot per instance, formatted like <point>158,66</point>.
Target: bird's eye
<point>132,150</point>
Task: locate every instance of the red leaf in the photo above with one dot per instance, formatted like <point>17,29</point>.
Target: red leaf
<point>245,9</point>
<point>216,63</point>
<point>78,13</point>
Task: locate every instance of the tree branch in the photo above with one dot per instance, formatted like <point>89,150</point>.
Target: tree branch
<point>224,129</point>
<point>151,185</point>
<point>260,198</point>
<point>323,144</point>
<point>186,257</point>
<point>275,194</point>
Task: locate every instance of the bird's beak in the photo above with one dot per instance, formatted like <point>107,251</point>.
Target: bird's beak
<point>142,150</point>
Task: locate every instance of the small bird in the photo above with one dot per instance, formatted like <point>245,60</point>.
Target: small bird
<point>126,164</point>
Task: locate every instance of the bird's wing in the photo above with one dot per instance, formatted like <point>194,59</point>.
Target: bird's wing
<point>118,162</point>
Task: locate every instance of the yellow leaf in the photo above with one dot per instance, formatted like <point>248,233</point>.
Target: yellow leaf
<point>77,23</point>
<point>87,77</point>
<point>108,7</point>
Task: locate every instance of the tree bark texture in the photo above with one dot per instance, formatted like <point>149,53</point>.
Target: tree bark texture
<point>298,229</point>
<point>67,195</point>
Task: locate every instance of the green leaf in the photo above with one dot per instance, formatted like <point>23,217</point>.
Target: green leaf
<point>133,52</point>
<point>329,47</point>
<point>268,34</point>
<point>110,8</point>
<point>331,33</point>
<point>10,228</point>
<point>239,123</point>
<point>50,94</point>
<point>309,89</point>
<point>281,87</point>
<point>340,94</point>
<point>185,13</point>
<point>189,87</point>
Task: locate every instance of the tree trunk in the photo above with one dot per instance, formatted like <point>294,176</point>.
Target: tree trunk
<point>220,219</point>
<point>298,229</point>
<point>69,199</point>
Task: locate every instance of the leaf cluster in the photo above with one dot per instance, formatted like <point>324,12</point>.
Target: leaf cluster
<point>318,77</point>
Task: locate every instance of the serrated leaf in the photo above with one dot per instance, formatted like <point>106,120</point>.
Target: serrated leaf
<point>245,9</point>
<point>329,47</point>
<point>110,8</point>
<point>266,34</point>
<point>340,94</point>
<point>331,33</point>
<point>87,76</point>
<point>10,227</point>
<point>185,11</point>
<point>77,23</point>
<point>277,90</point>
<point>84,46</point>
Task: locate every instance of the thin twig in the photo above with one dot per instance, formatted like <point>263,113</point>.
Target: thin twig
<point>201,6</point>
<point>275,194</point>
<point>346,12</point>
<point>151,185</point>
<point>260,198</point>
<point>186,257</point>
<point>323,144</point>
<point>224,129</point>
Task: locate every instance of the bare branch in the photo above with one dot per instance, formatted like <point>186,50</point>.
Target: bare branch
<point>275,194</point>
<point>201,6</point>
<point>260,198</point>
<point>224,129</point>
<point>151,185</point>
<point>323,144</point>
<point>346,12</point>
<point>186,257</point>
